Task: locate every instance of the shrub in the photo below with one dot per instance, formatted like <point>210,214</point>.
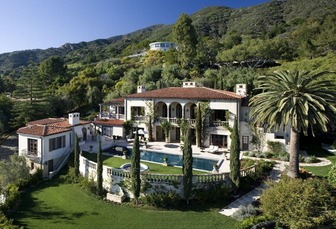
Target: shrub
<point>7,223</point>
<point>299,203</point>
<point>70,177</point>
<point>213,195</point>
<point>245,212</point>
<point>311,159</point>
<point>12,195</point>
<point>36,177</point>
<point>252,154</point>
<point>275,146</point>
<point>332,175</point>
<point>267,154</point>
<point>165,200</point>
<point>283,156</point>
<point>251,221</point>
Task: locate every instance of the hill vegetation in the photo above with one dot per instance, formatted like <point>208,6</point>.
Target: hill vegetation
<point>233,46</point>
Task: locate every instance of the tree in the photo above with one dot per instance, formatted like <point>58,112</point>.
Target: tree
<point>99,169</point>
<point>258,137</point>
<point>53,72</point>
<point>198,126</point>
<point>13,170</point>
<point>300,204</point>
<point>151,116</point>
<point>166,125</point>
<point>128,127</point>
<point>135,167</point>
<point>234,156</point>
<point>185,37</point>
<point>187,166</point>
<point>300,99</point>
<point>76,157</point>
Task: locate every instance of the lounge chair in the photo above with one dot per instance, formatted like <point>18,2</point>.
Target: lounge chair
<point>214,149</point>
<point>210,148</point>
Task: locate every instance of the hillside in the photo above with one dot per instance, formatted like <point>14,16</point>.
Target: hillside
<point>270,19</point>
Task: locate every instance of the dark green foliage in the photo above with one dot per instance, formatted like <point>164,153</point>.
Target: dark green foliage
<point>7,223</point>
<point>299,203</point>
<point>184,35</point>
<point>187,166</point>
<point>76,157</point>
<point>135,167</point>
<point>234,156</point>
<point>100,190</point>
<point>332,175</point>
<point>275,146</point>
<point>198,126</point>
<point>128,127</point>
<point>213,195</point>
<point>12,195</point>
<point>170,200</point>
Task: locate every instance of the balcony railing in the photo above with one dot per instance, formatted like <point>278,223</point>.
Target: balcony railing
<point>111,115</point>
<point>139,118</point>
<point>220,123</point>
<point>31,155</point>
<point>175,121</point>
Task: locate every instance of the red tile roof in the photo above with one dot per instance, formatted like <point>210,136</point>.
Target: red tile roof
<point>48,126</point>
<point>42,130</point>
<point>187,93</point>
<point>108,122</point>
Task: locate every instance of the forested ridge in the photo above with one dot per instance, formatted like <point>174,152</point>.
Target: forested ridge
<point>231,46</point>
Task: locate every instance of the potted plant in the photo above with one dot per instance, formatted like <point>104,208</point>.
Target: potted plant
<point>215,168</point>
<point>125,154</point>
<point>165,160</point>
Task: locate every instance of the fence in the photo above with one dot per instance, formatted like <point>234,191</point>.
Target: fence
<point>89,167</point>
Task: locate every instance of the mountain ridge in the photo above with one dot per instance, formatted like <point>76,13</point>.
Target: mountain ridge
<point>270,18</point>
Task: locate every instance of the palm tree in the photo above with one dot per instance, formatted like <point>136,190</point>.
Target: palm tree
<point>300,99</point>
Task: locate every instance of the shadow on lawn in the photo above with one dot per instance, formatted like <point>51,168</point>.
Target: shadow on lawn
<point>32,208</point>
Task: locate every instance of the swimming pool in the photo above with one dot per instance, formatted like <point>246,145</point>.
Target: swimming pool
<point>177,160</point>
<point>173,159</point>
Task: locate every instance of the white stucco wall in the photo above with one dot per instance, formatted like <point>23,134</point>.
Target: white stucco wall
<point>23,143</point>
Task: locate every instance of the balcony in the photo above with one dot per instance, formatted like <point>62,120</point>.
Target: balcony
<point>139,118</point>
<point>220,123</point>
<point>111,115</point>
<point>32,156</point>
<point>174,121</point>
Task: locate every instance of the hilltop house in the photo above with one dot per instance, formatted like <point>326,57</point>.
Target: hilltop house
<point>162,46</point>
<point>175,103</point>
<point>47,143</point>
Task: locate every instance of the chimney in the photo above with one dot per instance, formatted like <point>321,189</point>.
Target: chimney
<point>141,89</point>
<point>241,89</point>
<point>189,84</point>
<point>74,119</point>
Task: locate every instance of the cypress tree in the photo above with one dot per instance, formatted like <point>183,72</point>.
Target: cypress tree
<point>198,126</point>
<point>99,169</point>
<point>76,157</point>
<point>135,167</point>
<point>187,166</point>
<point>184,34</point>
<point>234,156</point>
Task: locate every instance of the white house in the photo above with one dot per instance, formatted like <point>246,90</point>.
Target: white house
<point>163,46</point>
<point>47,143</point>
<point>176,103</point>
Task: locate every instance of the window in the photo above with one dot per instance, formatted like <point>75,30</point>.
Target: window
<point>56,143</point>
<point>32,146</point>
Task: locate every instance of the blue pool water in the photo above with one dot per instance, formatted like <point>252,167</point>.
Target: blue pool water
<point>177,160</point>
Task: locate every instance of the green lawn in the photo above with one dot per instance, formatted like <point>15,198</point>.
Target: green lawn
<point>116,162</point>
<point>57,205</point>
<point>315,149</point>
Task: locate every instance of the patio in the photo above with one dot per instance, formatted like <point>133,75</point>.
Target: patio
<point>171,148</point>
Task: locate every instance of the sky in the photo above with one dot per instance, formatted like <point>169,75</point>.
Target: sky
<point>42,24</point>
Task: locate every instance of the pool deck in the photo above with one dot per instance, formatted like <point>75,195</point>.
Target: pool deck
<point>172,148</point>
